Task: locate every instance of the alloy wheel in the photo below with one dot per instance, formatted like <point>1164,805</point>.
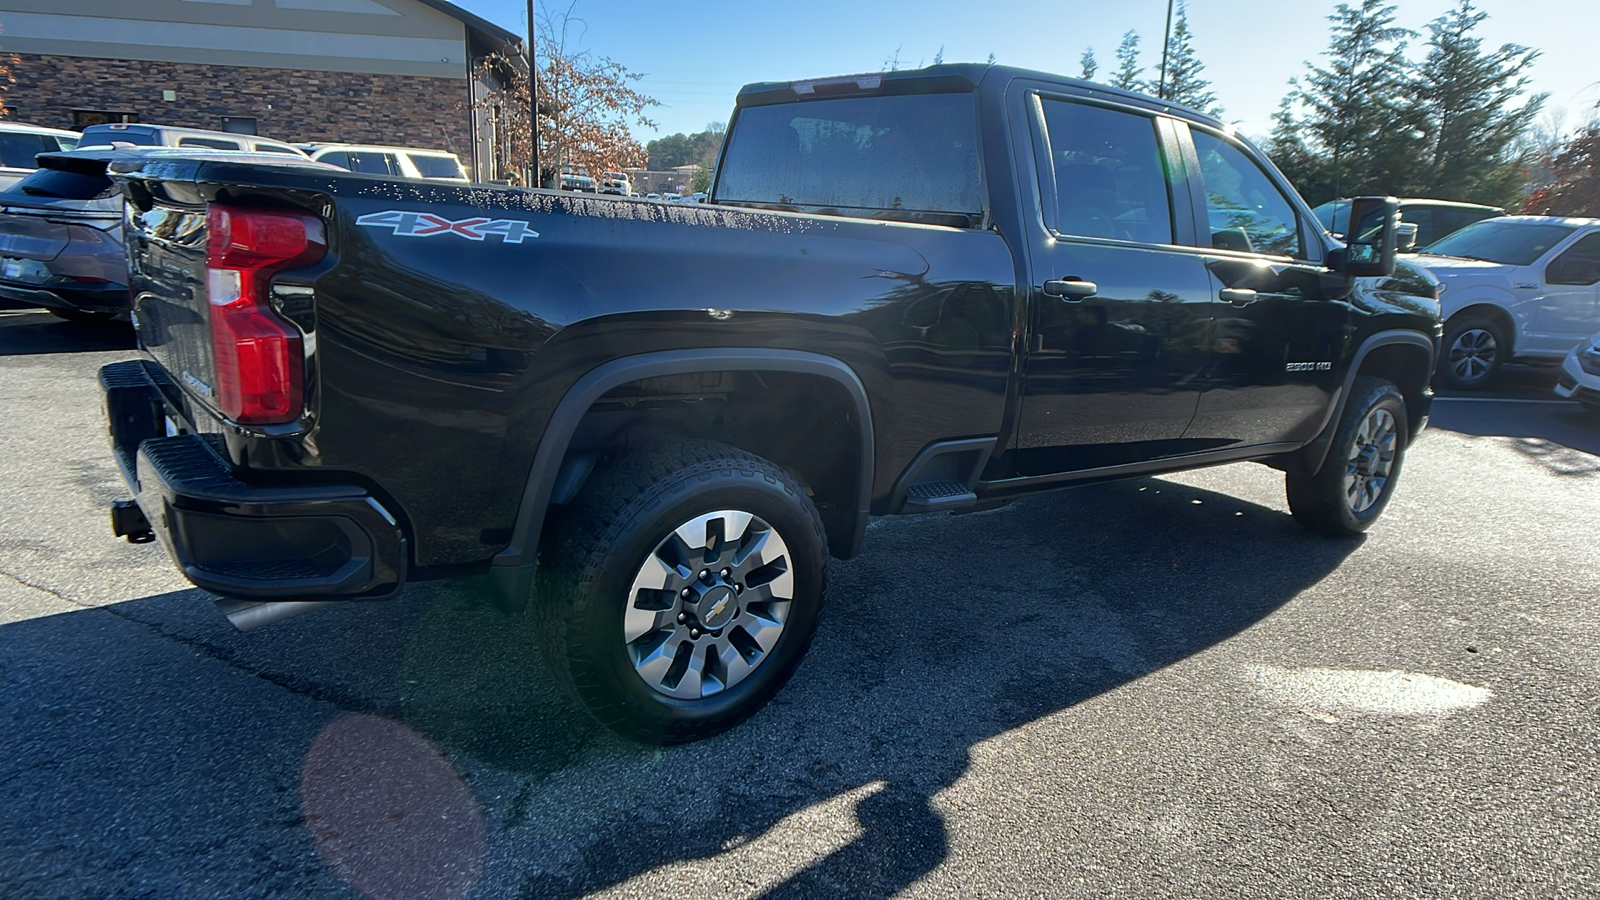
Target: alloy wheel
<point>1371,461</point>
<point>1472,354</point>
<point>708,604</point>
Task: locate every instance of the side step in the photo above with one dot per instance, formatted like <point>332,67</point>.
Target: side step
<point>939,496</point>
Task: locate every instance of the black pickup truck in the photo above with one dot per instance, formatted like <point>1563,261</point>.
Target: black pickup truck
<point>650,425</point>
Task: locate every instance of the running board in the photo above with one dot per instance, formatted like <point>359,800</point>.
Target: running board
<point>939,496</point>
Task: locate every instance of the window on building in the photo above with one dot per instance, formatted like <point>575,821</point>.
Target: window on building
<point>83,118</point>
<point>239,124</point>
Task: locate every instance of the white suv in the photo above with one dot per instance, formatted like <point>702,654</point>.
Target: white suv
<point>1523,288</point>
<point>20,143</point>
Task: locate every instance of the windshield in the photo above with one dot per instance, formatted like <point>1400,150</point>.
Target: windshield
<point>1498,241</point>
<point>1334,215</point>
<point>890,156</point>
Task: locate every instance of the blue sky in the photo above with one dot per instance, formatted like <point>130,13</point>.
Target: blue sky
<point>695,55</point>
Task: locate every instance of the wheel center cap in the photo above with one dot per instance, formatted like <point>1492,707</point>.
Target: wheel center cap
<point>1367,462</point>
<point>716,607</point>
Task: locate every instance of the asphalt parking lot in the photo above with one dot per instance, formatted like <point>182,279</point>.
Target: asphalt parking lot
<point>1160,687</point>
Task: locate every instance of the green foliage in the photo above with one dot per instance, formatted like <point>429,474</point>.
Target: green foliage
<point>1360,120</point>
<point>1474,121</point>
<point>702,179</point>
<point>1183,83</point>
<point>1373,122</point>
<point>1574,187</point>
<point>1090,65</point>
<point>1129,74</point>
<point>674,150</point>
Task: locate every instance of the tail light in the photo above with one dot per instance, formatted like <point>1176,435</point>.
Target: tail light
<point>260,366</point>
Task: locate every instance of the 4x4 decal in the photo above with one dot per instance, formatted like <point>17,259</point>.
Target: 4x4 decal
<point>418,224</point>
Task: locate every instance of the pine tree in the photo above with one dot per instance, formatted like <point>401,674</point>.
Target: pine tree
<point>1090,66</point>
<point>1470,99</point>
<point>1182,82</point>
<point>1129,71</point>
<point>1304,168</point>
<point>1359,113</point>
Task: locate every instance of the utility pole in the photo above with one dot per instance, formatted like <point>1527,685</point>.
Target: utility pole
<point>1161,87</point>
<point>533,105</point>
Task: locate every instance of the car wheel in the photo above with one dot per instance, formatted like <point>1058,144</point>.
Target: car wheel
<point>1473,352</point>
<point>82,316</point>
<point>681,590</point>
<point>1357,478</point>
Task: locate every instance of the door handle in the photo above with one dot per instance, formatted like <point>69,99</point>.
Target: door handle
<point>1071,289</point>
<point>1238,296</point>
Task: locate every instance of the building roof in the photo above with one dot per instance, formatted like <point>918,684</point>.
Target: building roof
<point>487,29</point>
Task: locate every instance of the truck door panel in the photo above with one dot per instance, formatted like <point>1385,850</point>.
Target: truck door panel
<point>1112,373</point>
<point>1277,336</point>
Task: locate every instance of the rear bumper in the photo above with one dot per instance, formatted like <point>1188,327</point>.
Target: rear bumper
<point>110,298</point>
<point>237,539</point>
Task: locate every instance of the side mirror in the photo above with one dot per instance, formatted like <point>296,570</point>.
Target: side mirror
<point>1405,237</point>
<point>1372,239</point>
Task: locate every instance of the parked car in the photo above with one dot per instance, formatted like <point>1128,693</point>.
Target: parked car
<point>1580,374</point>
<point>61,230</point>
<point>684,416</point>
<point>1515,288</point>
<point>142,135</point>
<point>401,162</point>
<point>20,146</point>
<point>1434,218</point>
<point>577,179</point>
<point>616,183</point>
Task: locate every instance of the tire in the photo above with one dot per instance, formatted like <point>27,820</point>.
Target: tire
<point>82,316</point>
<point>665,642</point>
<point>1350,491</point>
<point>1474,350</point>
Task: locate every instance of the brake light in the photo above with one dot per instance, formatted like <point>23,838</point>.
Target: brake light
<point>260,366</point>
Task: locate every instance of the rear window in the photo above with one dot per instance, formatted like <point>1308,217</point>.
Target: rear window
<point>18,149</point>
<point>437,166</point>
<point>905,157</point>
<point>64,185</point>
<point>274,148</point>
<point>96,135</point>
<point>212,143</point>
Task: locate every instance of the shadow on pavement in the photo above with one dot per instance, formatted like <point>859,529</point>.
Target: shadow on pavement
<point>1561,437</point>
<point>25,332</point>
<point>136,766</point>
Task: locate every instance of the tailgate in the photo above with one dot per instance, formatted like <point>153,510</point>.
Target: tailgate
<point>166,248</point>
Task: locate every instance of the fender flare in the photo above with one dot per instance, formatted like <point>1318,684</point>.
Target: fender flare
<point>1315,453</point>
<point>512,569</point>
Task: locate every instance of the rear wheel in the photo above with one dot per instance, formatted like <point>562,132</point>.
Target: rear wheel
<point>681,590</point>
<point>1349,492</point>
<point>1474,350</point>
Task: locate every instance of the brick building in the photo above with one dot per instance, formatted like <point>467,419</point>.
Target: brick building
<point>402,72</point>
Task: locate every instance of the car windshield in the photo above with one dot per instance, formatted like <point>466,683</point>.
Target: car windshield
<point>1334,215</point>
<point>1504,242</point>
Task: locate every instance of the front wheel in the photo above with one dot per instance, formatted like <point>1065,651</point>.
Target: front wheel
<point>681,590</point>
<point>1357,478</point>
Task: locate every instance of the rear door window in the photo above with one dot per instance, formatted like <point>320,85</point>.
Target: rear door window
<point>18,149</point>
<point>1109,173</point>
<point>901,157</point>
<point>437,166</point>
